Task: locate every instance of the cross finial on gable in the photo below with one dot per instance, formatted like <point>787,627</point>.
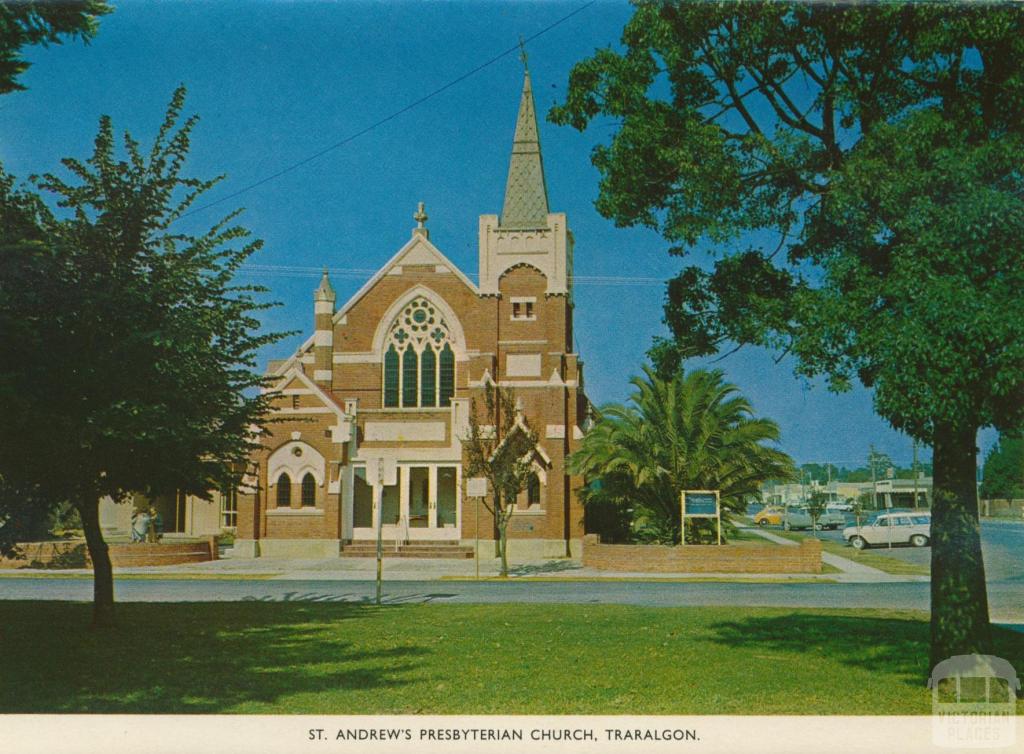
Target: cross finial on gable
<point>420,217</point>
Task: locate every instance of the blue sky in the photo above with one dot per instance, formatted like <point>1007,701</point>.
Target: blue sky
<point>276,82</point>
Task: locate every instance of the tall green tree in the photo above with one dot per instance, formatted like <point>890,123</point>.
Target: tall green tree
<point>854,172</point>
<point>1003,476</point>
<point>689,431</point>
<point>500,447</point>
<point>128,357</point>
<point>24,23</point>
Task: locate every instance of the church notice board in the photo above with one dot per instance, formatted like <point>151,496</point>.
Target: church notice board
<point>700,504</point>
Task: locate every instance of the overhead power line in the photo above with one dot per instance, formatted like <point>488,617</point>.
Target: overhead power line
<point>517,47</point>
<point>280,270</point>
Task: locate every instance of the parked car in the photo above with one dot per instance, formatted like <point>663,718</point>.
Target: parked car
<point>898,528</point>
<point>800,518</point>
<point>771,514</point>
<point>831,519</point>
<point>841,507</point>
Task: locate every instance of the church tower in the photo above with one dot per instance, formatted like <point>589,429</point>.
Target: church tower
<point>526,233</point>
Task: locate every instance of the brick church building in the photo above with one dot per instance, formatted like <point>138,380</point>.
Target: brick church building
<point>391,373</point>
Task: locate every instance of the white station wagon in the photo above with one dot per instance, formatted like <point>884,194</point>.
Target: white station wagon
<point>898,528</point>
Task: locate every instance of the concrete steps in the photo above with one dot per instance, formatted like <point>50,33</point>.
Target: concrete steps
<point>368,549</point>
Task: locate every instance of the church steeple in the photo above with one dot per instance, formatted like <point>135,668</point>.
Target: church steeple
<point>527,233</point>
<point>526,194</point>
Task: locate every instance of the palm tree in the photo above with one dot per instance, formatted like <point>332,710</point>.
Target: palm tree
<point>691,431</point>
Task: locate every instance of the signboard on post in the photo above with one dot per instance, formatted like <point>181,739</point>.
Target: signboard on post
<point>382,471</point>
<point>701,504</point>
<point>476,487</point>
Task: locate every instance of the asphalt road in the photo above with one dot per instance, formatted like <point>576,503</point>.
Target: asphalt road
<point>1006,599</point>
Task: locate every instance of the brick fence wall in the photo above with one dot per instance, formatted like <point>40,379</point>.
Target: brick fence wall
<point>145,554</point>
<point>73,554</point>
<point>66,553</point>
<point>806,558</point>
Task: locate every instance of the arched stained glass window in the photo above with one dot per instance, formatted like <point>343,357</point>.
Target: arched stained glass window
<point>284,491</point>
<point>391,377</point>
<point>419,363</point>
<point>428,378</point>
<point>447,389</point>
<point>308,490</point>
<point>410,372</point>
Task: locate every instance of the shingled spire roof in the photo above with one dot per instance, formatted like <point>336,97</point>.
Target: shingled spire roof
<point>526,195</point>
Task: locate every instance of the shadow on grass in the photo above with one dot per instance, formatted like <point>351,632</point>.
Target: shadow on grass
<point>190,657</point>
<point>896,647</point>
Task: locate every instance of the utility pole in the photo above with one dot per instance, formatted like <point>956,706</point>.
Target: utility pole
<point>914,471</point>
<point>874,482</point>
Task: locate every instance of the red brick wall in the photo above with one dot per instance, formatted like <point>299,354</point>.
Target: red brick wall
<point>144,554</point>
<point>44,553</point>
<point>49,554</point>
<point>806,558</point>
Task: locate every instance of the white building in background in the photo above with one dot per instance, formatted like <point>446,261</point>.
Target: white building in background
<point>889,493</point>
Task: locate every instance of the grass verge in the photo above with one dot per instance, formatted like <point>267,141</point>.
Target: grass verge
<point>332,658</point>
<point>872,557</point>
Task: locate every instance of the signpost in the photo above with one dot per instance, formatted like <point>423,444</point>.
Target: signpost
<point>700,504</point>
<point>385,471</point>
<point>477,487</point>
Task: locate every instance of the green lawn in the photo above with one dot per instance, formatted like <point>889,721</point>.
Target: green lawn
<point>323,658</point>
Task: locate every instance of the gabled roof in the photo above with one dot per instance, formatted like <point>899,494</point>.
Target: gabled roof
<point>417,250</point>
<point>295,373</point>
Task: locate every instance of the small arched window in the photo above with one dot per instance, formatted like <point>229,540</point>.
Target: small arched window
<point>284,491</point>
<point>308,490</point>
<point>533,491</point>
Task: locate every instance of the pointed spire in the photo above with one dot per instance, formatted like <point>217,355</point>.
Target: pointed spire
<point>526,195</point>
<point>324,292</point>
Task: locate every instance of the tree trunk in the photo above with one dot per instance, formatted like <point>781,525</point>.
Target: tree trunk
<point>503,545</point>
<point>103,575</point>
<point>960,622</point>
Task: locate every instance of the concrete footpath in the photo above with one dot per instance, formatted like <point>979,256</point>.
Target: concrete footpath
<point>435,569</point>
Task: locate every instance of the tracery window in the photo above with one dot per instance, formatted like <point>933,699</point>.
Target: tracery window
<point>419,363</point>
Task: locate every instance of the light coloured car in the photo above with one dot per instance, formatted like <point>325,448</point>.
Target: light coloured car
<point>800,518</point>
<point>840,507</point>
<point>897,528</point>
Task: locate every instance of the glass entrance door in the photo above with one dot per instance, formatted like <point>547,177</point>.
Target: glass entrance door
<point>447,496</point>
<point>423,505</point>
<point>419,496</point>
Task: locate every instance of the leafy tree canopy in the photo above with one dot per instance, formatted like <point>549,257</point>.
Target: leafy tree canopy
<point>24,23</point>
<point>855,170</point>
<point>128,357</point>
